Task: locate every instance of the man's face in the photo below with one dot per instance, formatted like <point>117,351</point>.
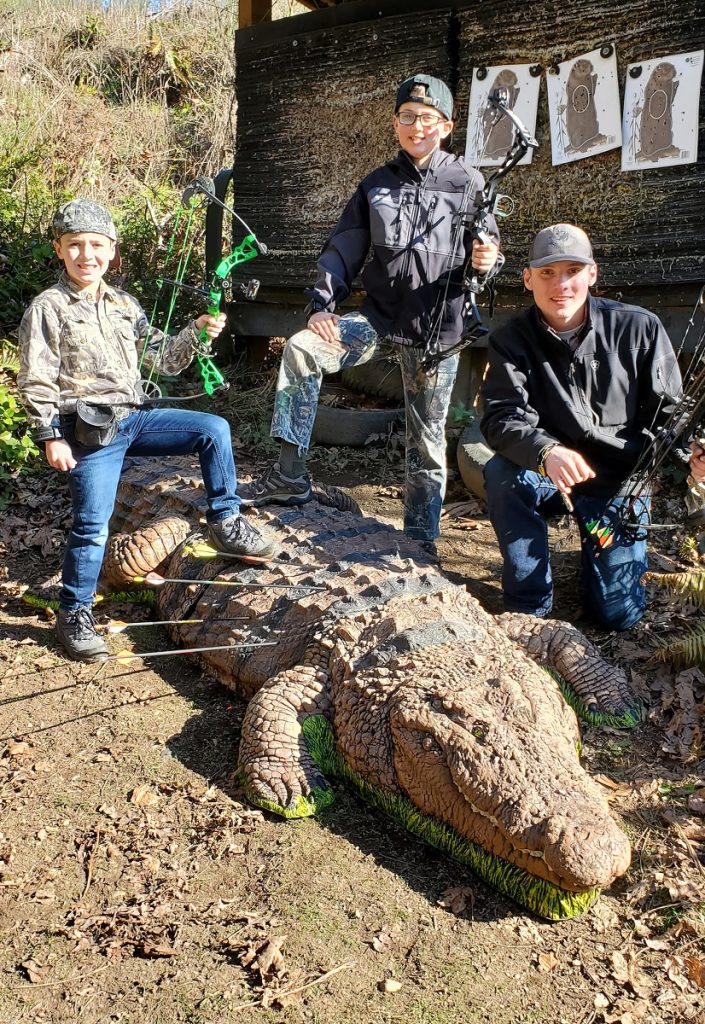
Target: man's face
<point>560,291</point>
<point>87,256</point>
<point>419,140</point>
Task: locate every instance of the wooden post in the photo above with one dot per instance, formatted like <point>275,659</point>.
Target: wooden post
<point>254,12</point>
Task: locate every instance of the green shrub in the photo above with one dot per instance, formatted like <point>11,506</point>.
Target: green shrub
<point>17,448</point>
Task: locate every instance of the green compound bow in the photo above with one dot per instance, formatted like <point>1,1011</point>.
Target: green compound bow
<point>200,189</point>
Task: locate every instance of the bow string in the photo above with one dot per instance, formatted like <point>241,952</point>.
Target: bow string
<point>486,202</point>
<point>199,192</point>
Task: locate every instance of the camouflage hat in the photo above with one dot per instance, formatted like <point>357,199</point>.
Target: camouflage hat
<point>83,215</point>
<point>425,89</point>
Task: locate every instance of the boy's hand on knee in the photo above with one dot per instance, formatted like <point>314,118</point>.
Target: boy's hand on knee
<point>325,325</point>
<point>565,468</point>
<point>59,455</point>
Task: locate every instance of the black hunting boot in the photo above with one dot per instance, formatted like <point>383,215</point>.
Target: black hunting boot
<point>78,635</point>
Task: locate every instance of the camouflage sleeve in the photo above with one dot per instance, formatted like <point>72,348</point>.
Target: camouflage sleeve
<point>40,362</point>
<point>164,353</point>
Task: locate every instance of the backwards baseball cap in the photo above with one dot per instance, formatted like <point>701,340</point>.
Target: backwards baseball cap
<point>83,215</point>
<point>424,89</point>
<point>560,242</point>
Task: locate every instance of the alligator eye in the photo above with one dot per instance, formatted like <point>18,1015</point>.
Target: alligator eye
<point>478,731</point>
<point>427,743</point>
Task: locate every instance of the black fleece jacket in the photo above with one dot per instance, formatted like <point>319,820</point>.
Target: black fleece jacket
<point>407,221</point>
<point>603,399</point>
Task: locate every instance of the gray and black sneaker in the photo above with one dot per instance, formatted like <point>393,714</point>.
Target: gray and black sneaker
<point>78,635</point>
<point>273,486</point>
<point>235,536</point>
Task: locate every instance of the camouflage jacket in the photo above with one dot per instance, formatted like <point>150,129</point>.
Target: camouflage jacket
<point>72,346</point>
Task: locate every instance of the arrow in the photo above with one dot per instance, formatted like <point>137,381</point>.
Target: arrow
<point>154,579</point>
<point>202,549</point>
<point>117,626</point>
<point>125,656</point>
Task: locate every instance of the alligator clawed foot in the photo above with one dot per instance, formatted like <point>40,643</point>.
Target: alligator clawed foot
<point>286,791</point>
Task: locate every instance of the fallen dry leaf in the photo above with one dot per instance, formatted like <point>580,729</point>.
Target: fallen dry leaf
<point>696,970</point>
<point>155,950</point>
<point>696,801</point>
<point>601,1002</point>
<point>383,939</point>
<point>616,790</point>
<point>547,962</point>
<point>18,748</point>
<point>457,899</point>
<point>34,971</point>
<point>620,970</point>
<point>144,796</point>
<point>270,959</point>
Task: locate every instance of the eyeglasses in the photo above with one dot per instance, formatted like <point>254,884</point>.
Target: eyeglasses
<point>408,117</point>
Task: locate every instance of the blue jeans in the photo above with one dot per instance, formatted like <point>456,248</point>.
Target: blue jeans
<point>305,361</point>
<point>94,481</point>
<point>519,501</point>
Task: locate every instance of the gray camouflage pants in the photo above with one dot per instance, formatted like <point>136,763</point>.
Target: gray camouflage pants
<point>307,358</point>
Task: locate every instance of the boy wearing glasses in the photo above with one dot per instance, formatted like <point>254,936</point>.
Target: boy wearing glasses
<point>404,216</point>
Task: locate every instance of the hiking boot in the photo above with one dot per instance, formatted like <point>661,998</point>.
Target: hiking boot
<point>273,486</point>
<point>78,635</point>
<point>235,536</point>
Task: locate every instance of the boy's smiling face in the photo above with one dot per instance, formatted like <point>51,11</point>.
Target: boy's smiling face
<point>86,255</point>
<point>421,141</point>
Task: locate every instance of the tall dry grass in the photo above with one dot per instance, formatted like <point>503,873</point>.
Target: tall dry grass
<point>109,101</point>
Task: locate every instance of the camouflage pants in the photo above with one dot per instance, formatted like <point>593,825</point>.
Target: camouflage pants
<point>307,358</point>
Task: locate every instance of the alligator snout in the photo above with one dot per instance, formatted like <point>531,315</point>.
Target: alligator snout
<point>589,853</point>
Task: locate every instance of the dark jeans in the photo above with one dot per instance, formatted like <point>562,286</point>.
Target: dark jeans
<point>519,501</point>
<point>94,481</point>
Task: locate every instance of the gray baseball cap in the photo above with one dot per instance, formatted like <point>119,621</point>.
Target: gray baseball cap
<point>425,89</point>
<point>560,242</point>
<point>83,215</point>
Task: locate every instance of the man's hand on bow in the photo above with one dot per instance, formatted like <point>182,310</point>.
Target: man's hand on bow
<point>565,468</point>
<point>484,256</point>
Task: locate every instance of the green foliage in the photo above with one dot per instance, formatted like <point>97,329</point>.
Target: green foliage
<point>27,262</point>
<point>685,650</point>
<point>690,585</point>
<point>17,448</point>
<point>461,415</point>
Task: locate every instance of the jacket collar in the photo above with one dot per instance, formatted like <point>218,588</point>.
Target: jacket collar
<point>76,294</point>
<point>585,330</point>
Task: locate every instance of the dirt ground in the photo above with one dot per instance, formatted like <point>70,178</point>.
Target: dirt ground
<point>137,886</point>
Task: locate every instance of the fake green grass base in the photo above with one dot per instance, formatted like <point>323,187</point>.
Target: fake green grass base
<point>537,895</point>
<point>303,807</point>
<point>628,720</point>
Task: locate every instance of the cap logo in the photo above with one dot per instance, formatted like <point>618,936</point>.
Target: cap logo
<point>562,235</point>
<point>418,92</point>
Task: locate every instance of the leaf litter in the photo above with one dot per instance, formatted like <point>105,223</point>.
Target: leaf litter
<point>138,858</point>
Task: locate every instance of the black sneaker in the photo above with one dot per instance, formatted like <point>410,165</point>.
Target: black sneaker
<point>235,536</point>
<point>273,486</point>
<point>78,635</point>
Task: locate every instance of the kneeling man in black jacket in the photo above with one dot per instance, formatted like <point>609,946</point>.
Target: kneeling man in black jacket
<point>576,386</point>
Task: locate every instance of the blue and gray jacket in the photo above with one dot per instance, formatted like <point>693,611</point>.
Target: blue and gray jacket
<point>406,220</point>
